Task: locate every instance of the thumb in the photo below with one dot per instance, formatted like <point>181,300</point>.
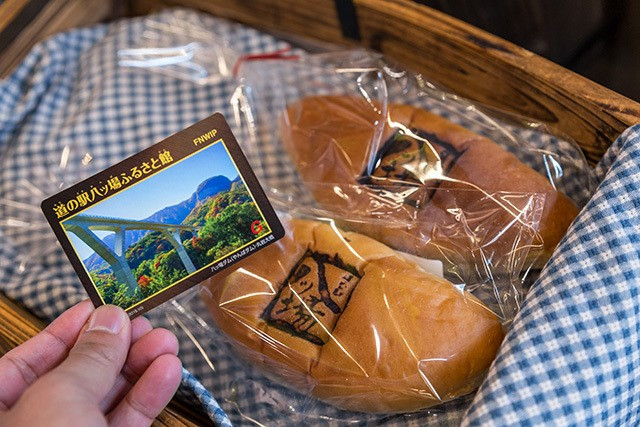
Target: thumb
<point>98,355</point>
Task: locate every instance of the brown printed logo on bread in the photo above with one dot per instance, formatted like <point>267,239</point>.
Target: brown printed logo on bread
<point>415,155</point>
<point>313,297</point>
<point>410,157</point>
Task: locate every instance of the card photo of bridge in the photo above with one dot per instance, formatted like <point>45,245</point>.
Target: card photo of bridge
<point>165,228</point>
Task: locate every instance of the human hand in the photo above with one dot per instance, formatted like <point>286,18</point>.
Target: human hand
<point>107,371</point>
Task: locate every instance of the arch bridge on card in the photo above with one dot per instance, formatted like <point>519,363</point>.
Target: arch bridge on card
<point>84,226</point>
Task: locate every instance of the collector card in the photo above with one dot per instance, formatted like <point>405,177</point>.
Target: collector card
<point>165,219</point>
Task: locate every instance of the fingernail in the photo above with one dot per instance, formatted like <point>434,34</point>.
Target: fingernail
<point>107,318</point>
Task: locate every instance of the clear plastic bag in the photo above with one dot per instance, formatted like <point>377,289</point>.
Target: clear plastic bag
<point>400,178</point>
<point>183,47</point>
<point>350,119</point>
<point>349,325</point>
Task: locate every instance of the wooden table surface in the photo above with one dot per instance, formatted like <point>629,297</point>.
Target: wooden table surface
<point>17,325</point>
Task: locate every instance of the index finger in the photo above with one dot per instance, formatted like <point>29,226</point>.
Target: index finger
<point>23,365</point>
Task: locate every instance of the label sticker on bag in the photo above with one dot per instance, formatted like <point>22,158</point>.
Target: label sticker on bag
<point>165,219</point>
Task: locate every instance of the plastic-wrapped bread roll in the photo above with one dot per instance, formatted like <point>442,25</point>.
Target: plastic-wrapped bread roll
<point>422,159</point>
<point>342,317</point>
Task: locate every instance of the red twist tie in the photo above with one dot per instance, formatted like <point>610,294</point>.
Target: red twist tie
<point>278,54</point>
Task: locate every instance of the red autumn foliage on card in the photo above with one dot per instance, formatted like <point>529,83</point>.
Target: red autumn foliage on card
<point>144,281</point>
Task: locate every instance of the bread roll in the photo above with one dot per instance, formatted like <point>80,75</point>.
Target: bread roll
<point>419,169</point>
<point>342,317</point>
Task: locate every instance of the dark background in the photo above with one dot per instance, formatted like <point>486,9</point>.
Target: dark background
<point>599,39</point>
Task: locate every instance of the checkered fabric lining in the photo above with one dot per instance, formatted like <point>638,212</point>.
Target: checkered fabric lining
<point>69,111</point>
<point>572,356</point>
<point>209,403</point>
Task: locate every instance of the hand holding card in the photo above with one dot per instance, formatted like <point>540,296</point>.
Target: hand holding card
<point>90,367</point>
<point>164,219</point>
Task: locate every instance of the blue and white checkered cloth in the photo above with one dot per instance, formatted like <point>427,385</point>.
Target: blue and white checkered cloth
<point>209,403</point>
<point>70,111</point>
<point>572,356</point>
